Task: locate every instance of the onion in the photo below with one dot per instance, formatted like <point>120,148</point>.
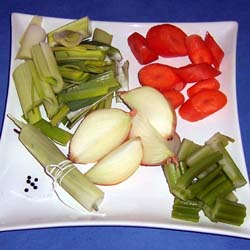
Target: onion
<point>156,149</point>
<point>118,165</point>
<point>154,106</point>
<point>99,133</point>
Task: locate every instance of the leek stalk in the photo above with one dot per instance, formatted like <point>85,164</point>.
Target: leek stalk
<point>49,155</point>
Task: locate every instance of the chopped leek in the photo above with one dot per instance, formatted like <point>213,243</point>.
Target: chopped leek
<point>102,36</point>
<point>81,25</point>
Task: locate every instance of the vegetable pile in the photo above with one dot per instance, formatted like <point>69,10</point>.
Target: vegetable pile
<point>75,79</point>
<point>167,40</point>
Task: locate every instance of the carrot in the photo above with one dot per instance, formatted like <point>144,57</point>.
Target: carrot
<point>210,83</point>
<point>159,76</point>
<point>216,50</point>
<point>197,49</point>
<point>202,104</point>
<point>175,97</point>
<point>196,72</point>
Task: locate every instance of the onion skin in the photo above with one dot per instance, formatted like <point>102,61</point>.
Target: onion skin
<point>98,134</point>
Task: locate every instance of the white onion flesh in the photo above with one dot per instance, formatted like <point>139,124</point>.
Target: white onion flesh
<point>155,148</point>
<point>118,165</point>
<point>99,133</point>
<point>154,106</point>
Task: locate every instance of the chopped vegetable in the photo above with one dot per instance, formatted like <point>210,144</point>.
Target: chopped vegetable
<point>159,76</point>
<point>196,72</point>
<point>68,38</point>
<point>199,178</point>
<point>216,50</point>
<point>81,25</point>
<point>102,36</point>
<point>176,98</point>
<point>140,49</point>
<point>167,40</point>
<point>197,50</point>
<point>202,104</point>
<point>211,83</point>
<point>34,34</point>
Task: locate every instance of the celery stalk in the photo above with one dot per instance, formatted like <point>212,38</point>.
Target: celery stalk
<point>219,142</point>
<point>102,36</point>
<point>228,212</point>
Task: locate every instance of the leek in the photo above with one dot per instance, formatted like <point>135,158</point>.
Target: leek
<point>102,36</point>
<point>81,25</point>
<point>49,156</point>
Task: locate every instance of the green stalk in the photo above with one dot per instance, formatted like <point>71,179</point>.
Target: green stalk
<point>102,36</point>
<point>228,212</point>
<point>218,142</point>
<point>81,25</point>
<point>196,168</point>
<point>56,134</point>
<point>59,116</point>
<point>26,91</point>
<point>48,155</point>
<point>186,149</point>
<point>186,210</point>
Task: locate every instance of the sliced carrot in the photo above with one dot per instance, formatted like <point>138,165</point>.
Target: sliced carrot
<point>197,72</point>
<point>210,83</point>
<point>197,49</point>
<point>202,104</point>
<point>175,97</point>
<point>159,76</point>
<point>167,40</point>
<point>215,49</point>
<point>140,49</point>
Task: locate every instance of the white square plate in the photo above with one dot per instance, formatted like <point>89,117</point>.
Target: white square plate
<point>142,200</point>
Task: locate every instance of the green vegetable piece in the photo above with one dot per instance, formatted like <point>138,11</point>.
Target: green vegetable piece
<point>102,36</point>
<point>82,25</point>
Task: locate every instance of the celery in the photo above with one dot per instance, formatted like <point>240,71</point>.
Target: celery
<point>186,210</point>
<point>228,212</point>
<point>49,156</point>
<point>34,115</point>
<point>73,75</point>
<point>186,149</point>
<point>68,38</point>
<point>218,142</point>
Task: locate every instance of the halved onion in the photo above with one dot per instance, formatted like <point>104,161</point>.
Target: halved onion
<point>118,165</point>
<point>154,106</point>
<point>99,133</point>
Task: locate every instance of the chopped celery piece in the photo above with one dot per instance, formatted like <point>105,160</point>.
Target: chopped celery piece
<point>56,134</point>
<point>186,210</point>
<point>102,36</point>
<point>196,168</point>
<point>59,116</point>
<point>186,149</point>
<point>172,174</point>
<point>219,142</point>
<point>81,25</point>
<point>26,91</point>
<point>199,186</point>
<point>228,212</point>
